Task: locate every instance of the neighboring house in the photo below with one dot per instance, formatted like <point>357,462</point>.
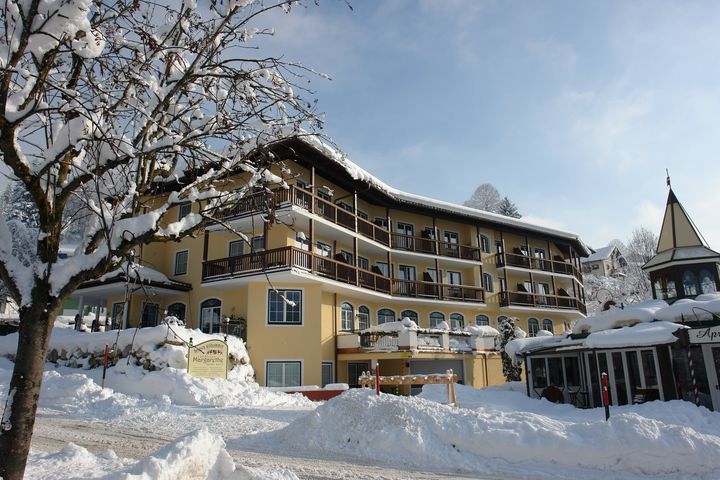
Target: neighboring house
<point>342,254</point>
<point>662,349</point>
<point>605,262</point>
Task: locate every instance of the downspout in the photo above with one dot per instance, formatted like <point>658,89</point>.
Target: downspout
<point>335,333</point>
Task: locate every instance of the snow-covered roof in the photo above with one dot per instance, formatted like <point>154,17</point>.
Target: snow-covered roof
<point>647,323</point>
<point>681,255</point>
<point>357,173</point>
<point>139,273</point>
<point>600,254</point>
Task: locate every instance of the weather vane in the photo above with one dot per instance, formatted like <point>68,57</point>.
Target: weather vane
<point>667,179</point>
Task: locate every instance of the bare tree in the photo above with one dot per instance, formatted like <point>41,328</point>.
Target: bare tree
<point>485,197</point>
<point>130,107</point>
<point>642,246</point>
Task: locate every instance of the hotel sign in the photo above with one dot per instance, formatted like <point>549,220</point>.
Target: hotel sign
<point>208,359</point>
<point>704,335</point>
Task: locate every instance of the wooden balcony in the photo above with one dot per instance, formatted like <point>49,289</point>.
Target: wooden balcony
<point>535,300</point>
<point>307,200</point>
<point>434,247</point>
<point>291,257</point>
<point>535,263</point>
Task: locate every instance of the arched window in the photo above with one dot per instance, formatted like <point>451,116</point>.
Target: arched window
<point>484,244</point>
<point>689,283</point>
<point>707,282</point>
<point>176,310</point>
<point>436,318</point>
<point>548,325</point>
<point>411,315</point>
<point>533,327</point>
<point>210,311</point>
<point>457,321</point>
<point>500,320</point>
<point>385,315</point>
<point>482,320</point>
<point>671,291</point>
<point>347,317</point>
<point>363,318</point>
<point>488,282</point>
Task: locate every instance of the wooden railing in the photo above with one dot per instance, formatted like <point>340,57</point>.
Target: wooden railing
<point>535,263</point>
<point>435,247</point>
<point>535,300</point>
<point>288,257</point>
<point>440,291</point>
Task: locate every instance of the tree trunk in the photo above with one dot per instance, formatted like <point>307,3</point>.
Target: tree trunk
<point>18,419</point>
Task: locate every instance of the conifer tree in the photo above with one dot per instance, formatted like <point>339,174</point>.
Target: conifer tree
<point>507,207</point>
<point>508,332</point>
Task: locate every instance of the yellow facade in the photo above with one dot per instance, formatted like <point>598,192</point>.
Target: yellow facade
<point>450,264</point>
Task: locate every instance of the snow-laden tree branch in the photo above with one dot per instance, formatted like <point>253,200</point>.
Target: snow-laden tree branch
<point>117,112</point>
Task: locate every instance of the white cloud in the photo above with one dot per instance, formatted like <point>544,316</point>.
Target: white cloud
<point>650,215</point>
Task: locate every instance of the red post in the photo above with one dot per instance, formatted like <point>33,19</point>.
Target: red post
<point>105,363</point>
<point>605,395</point>
<point>377,378</point>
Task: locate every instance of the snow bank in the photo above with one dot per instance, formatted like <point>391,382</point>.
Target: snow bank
<point>198,455</point>
<point>616,317</point>
<point>425,434</point>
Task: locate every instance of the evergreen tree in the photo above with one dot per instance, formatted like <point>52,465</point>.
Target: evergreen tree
<point>508,332</point>
<point>507,207</point>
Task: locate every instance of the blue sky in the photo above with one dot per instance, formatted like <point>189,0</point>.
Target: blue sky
<point>572,109</point>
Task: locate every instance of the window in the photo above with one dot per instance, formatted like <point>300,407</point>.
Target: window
<point>347,257</point>
<point>355,369</point>
<point>548,325</point>
<point>499,246</point>
<point>595,266</point>
<point>411,315</point>
<point>484,244</point>
<point>347,317</point>
<point>500,320</point>
<point>235,248</point>
<point>451,237</point>
<point>488,282</point>
<point>385,315</point>
<point>346,206</point>
<point>117,315</point>
<point>533,327</point>
<point>210,311</point>
<point>707,283</point>
<point>383,267</point>
<point>283,374</point>
<point>181,263</point>
<point>285,307</point>
<point>454,278</point>
<point>381,222</point>
<point>323,249</point>
<point>257,243</point>
<point>503,284</point>
<point>363,263</point>
<point>457,321</point>
<point>184,210</point>
<point>482,320</point>
<point>362,214</point>
<point>302,241</point>
<point>328,373</point>
<point>689,283</point>
<point>363,318</point>
<point>433,274</point>
<point>543,289</point>
<point>324,194</point>
<point>436,318</point>
<point>150,313</point>
<point>176,310</point>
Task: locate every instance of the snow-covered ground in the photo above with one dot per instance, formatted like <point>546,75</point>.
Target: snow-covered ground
<point>164,424</point>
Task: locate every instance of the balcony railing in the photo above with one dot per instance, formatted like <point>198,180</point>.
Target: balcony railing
<point>535,300</point>
<point>435,247</point>
<point>429,341</point>
<point>339,216</point>
<point>291,257</point>
<point>535,263</point>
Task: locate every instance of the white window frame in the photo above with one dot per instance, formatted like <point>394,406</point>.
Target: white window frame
<point>369,317</point>
<point>179,303</point>
<point>484,243</point>
<point>487,318</point>
<point>175,263</point>
<point>532,332</point>
<point>347,324</point>
<point>488,284</point>
<point>236,242</point>
<point>181,208</point>
<point>324,364</point>
<point>285,322</point>
<point>387,321</point>
<point>552,325</point>
<point>255,240</point>
<point>200,316</point>
<point>284,362</point>
<point>431,320</point>
<point>452,322</point>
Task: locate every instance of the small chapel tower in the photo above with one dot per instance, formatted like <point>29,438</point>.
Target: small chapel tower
<point>684,266</point>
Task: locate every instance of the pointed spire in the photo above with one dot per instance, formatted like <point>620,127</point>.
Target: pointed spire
<point>678,230</point>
